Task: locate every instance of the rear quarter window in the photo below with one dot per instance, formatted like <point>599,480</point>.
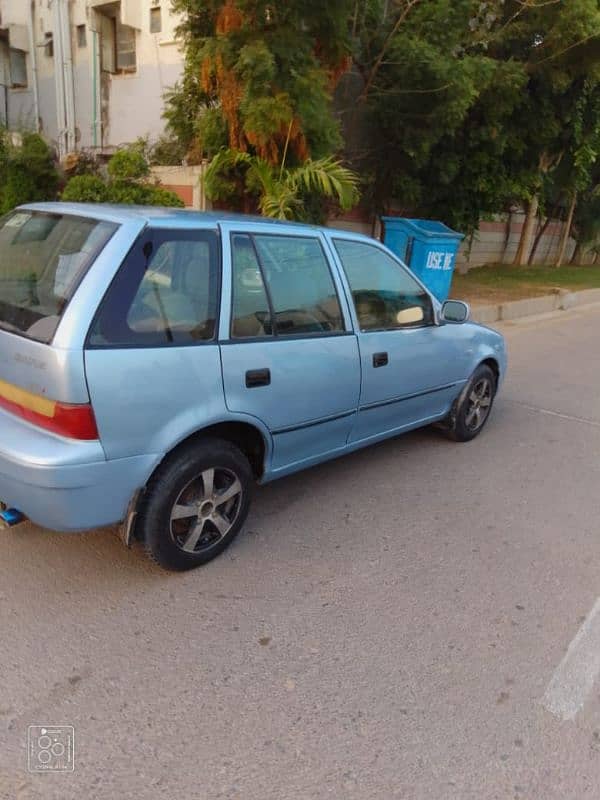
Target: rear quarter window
<point>165,293</point>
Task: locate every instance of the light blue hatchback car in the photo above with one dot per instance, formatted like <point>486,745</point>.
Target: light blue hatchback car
<point>155,363</point>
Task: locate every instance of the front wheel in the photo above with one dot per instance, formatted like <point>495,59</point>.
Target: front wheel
<point>195,504</point>
<point>472,409</point>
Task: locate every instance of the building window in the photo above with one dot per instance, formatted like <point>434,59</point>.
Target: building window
<point>18,69</point>
<point>49,45</point>
<point>117,45</point>
<point>107,43</point>
<point>81,36</point>
<point>126,56</point>
<point>155,20</point>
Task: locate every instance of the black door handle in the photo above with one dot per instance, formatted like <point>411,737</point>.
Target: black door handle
<point>380,359</point>
<point>258,377</point>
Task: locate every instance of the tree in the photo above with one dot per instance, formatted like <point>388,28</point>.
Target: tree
<point>586,217</point>
<point>258,77</point>
<point>435,99</point>
<point>280,192</point>
<point>581,146</point>
<point>467,101</point>
<point>458,109</point>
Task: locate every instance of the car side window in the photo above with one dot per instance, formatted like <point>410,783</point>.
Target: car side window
<point>251,314</point>
<point>386,296</point>
<point>282,286</point>
<point>300,285</point>
<point>164,294</point>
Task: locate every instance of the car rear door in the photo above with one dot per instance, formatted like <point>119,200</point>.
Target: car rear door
<point>152,357</point>
<point>289,355</point>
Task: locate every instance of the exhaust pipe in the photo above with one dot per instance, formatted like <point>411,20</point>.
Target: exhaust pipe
<point>10,517</point>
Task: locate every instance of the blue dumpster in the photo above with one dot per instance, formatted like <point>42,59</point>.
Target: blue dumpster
<point>429,248</point>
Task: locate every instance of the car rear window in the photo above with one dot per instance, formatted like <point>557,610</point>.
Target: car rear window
<point>43,258</point>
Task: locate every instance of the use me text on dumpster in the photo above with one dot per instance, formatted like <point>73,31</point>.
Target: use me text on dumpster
<point>439,260</point>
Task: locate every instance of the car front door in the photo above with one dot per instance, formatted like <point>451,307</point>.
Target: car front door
<point>412,368</point>
<point>288,352</point>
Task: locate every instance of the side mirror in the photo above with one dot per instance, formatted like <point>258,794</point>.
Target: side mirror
<point>455,311</point>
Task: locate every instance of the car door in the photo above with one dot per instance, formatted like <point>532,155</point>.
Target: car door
<point>412,368</point>
<point>152,357</point>
<point>288,351</point>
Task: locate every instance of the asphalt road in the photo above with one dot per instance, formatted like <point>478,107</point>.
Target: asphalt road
<point>414,621</point>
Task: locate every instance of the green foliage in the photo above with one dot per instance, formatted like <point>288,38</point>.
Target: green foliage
<point>85,189</point>
<point>211,131</point>
<point>259,74</point>
<point>470,104</point>
<point>127,183</point>
<point>587,221</point>
<point>126,193</point>
<point>280,192</point>
<point>27,171</point>
<point>167,151</point>
<point>128,164</point>
<point>156,195</point>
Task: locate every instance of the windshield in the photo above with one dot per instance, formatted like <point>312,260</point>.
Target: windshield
<point>43,258</point>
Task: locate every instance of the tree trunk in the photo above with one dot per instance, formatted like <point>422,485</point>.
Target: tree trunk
<point>539,235</point>
<point>527,233</point>
<point>507,237</point>
<point>564,238</point>
<point>577,254</point>
<point>538,238</point>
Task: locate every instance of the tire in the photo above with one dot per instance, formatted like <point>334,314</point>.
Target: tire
<point>184,521</point>
<point>472,408</point>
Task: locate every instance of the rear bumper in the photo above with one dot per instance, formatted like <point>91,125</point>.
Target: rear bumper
<point>62,484</point>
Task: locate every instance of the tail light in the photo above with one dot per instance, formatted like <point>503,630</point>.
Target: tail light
<point>72,421</point>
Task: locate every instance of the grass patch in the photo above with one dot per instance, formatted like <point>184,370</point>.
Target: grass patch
<point>497,284</point>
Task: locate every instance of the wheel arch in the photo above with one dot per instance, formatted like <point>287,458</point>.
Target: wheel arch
<point>249,437</point>
<point>493,364</point>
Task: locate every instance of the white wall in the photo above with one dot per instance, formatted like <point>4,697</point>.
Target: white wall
<point>132,102</point>
<point>493,243</point>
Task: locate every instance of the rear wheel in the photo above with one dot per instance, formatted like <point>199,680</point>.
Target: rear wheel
<point>195,504</point>
<point>472,409</point>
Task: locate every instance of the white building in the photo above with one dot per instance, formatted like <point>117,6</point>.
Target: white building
<point>87,73</point>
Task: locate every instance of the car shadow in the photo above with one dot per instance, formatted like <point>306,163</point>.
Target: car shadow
<point>96,561</point>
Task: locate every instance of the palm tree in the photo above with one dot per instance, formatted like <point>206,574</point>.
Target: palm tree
<point>280,191</point>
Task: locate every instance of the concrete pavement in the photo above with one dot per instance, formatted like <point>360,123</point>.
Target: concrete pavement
<point>388,626</point>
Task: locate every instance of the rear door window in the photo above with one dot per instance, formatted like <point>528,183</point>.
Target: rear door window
<point>251,311</point>
<point>43,258</point>
<point>166,293</point>
<point>282,286</point>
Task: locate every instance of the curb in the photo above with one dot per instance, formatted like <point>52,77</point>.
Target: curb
<point>560,300</point>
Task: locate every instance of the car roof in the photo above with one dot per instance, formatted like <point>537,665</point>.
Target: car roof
<point>173,217</point>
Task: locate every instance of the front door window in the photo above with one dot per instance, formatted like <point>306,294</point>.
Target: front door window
<point>386,296</point>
